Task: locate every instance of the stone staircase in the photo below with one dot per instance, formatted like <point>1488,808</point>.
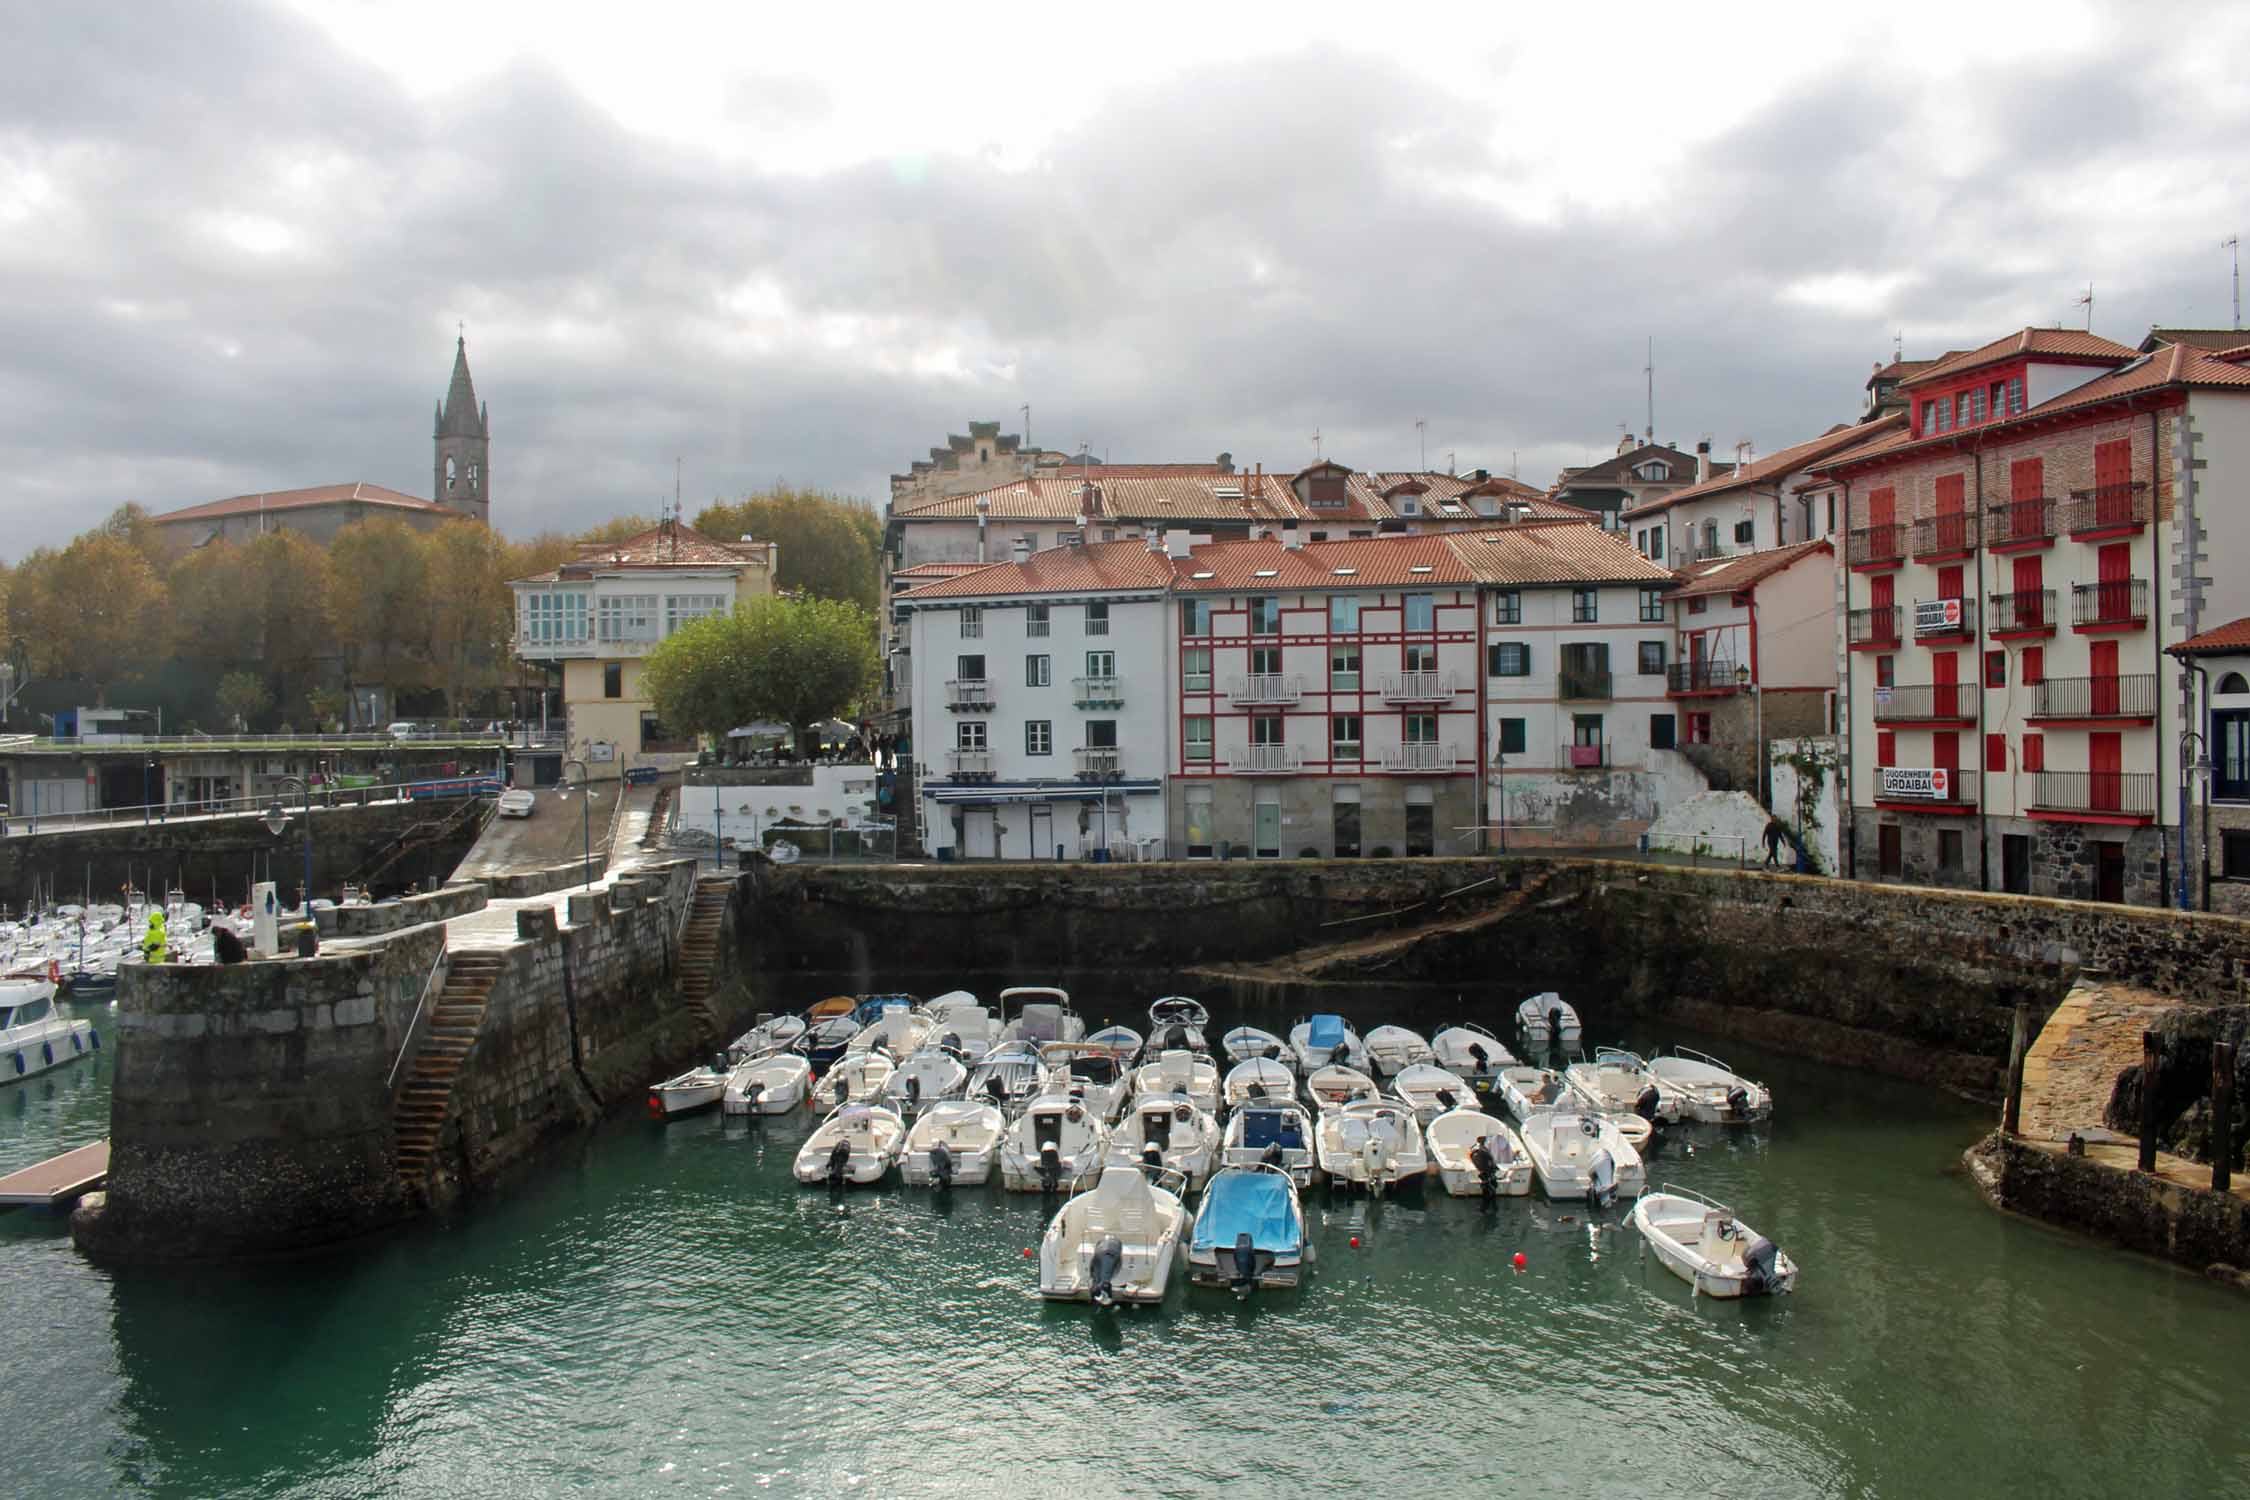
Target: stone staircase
<point>700,938</point>
<point>418,1118</point>
<point>659,816</point>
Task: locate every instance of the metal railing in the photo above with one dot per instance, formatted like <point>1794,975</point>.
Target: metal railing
<point>2107,507</point>
<point>1575,757</point>
<point>2015,521</point>
<point>2127,793</point>
<point>968,692</point>
<point>325,799</point>
<point>1872,627</point>
<point>969,762</point>
<point>1582,684</point>
<point>406,1043</point>
<point>1876,544</point>
<point>1096,760</point>
<point>1951,531</point>
<point>1938,618</point>
<point>194,744</point>
<point>1417,687</point>
<point>1419,757</point>
<point>1266,687</point>
<point>2028,609</point>
<point>1926,702</point>
<point>2122,601</point>
<point>1262,760</point>
<point>2129,696</point>
<point>1096,692</point>
<point>1701,677</point>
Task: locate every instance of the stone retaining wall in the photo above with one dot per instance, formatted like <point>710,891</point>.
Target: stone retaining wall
<point>2193,1226</point>
<point>407,911</point>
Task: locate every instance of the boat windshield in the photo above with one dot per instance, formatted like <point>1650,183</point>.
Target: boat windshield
<point>7,1016</point>
<point>29,1011</point>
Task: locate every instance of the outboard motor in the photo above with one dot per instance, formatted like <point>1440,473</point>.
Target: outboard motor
<point>1738,1102</point>
<point>1480,1057</point>
<point>1759,1274</point>
<point>1175,1036</point>
<point>1050,1167</point>
<point>1152,1159</point>
<point>1644,1104</point>
<point>913,1092</point>
<point>1246,1267</point>
<point>941,1165</point>
<point>1601,1179</point>
<point>1273,1053</point>
<point>1102,1269</point>
<point>719,1063</point>
<point>843,1091</point>
<point>951,1041</point>
<point>1445,1098</point>
<point>839,1162</point>
<point>997,1089</point>
<point>1257,1089</point>
<point>1488,1170</point>
<point>1273,1156</point>
<point>753,1094</point>
<point>1554,1027</point>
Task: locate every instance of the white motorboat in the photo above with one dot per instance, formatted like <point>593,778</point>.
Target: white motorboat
<point>1181,1072</point>
<point>1702,1242</point>
<point>1704,1089</point>
<point>1331,1087</point>
<point>1124,1041</point>
<point>1176,1022</point>
<point>854,1145</point>
<point>953,1142</point>
<point>1167,1131</point>
<point>1096,1075</point>
<point>1249,1231</point>
<point>900,1031</point>
<point>1039,1013</point>
<point>1391,1049</point>
<point>1478,1155</point>
<point>1055,1146</point>
<point>1372,1144</point>
<point>1257,1079</point>
<point>697,1089</point>
<point>773,1084</point>
<point>856,1079</point>
<point>1321,1040</point>
<point>1524,1089</point>
<point>1581,1155</point>
<point>925,1078</point>
<point>963,1024</point>
<point>1430,1091</point>
<point>771,1034</point>
<point>1546,1020</point>
<point>1113,1243</point>
<point>1246,1042</point>
<point>825,1038</point>
<point>1471,1051</point>
<point>1278,1134</point>
<point>1009,1076</point>
<point>1619,1082</point>
<point>953,1003</point>
<point>33,1038</point>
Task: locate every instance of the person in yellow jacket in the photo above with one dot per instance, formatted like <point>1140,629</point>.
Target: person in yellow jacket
<point>152,946</point>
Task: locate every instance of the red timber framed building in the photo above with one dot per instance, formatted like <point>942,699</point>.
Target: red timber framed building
<point>2004,604</point>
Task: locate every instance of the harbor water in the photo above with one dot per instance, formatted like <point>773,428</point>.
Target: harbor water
<point>661,1310</point>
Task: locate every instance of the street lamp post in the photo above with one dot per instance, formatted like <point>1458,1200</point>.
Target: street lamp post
<point>585,811</point>
<point>277,818</point>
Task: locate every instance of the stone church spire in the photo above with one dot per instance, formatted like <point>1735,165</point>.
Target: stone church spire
<point>463,475</point>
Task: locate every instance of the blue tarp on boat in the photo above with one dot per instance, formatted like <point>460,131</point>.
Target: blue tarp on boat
<point>1258,1204</point>
<point>1272,1127</point>
<point>1325,1031</point>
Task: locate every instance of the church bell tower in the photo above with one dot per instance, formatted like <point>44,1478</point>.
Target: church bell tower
<point>463,479</point>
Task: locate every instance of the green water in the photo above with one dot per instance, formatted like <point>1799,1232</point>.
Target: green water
<point>662,1311</point>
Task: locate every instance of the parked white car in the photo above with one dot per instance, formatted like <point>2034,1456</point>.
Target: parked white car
<point>517,803</point>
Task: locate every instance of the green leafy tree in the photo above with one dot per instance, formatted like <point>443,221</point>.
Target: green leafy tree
<point>93,611</point>
<point>795,660</point>
<point>379,602</point>
<point>242,697</point>
<point>831,545</point>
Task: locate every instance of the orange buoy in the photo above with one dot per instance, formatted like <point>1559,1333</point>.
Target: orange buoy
<point>1355,1242</point>
<point>1521,1260</point>
<point>1027,1252</point>
<point>655,1107</point>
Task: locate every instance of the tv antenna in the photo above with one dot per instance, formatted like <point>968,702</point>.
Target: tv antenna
<point>2233,242</point>
<point>2087,302</point>
<point>1422,436</point>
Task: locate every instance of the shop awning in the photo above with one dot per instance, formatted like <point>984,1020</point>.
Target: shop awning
<point>1038,791</point>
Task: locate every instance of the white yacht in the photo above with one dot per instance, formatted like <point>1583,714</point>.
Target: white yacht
<point>1701,1241</point>
<point>925,1078</point>
<point>1055,1146</point>
<point>854,1145</point>
<point>1276,1134</point>
<point>1181,1072</point>
<point>1114,1243</point>
<point>1524,1089</point>
<point>1705,1089</point>
<point>32,1037</point>
<point>773,1084</point>
<point>1430,1091</point>
<point>1580,1155</point>
<point>1246,1042</point>
<point>1391,1049</point>
<point>1478,1155</point>
<point>697,1089</point>
<point>954,1141</point>
<point>1178,1022</point>
<point>1471,1051</point>
<point>1546,1020</point>
<point>1167,1131</point>
<point>1257,1079</point>
<point>1039,1013</point>
<point>1619,1082</point>
<point>856,1079</point>
<point>1372,1144</point>
<point>1324,1039</point>
<point>1334,1086</point>
<point>1249,1231</point>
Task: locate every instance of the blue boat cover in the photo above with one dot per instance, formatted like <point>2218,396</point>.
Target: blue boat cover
<point>1252,1203</point>
<point>1325,1031</point>
<point>1272,1127</point>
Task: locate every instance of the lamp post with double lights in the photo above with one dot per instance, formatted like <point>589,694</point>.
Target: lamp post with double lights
<point>585,810</point>
<point>277,818</point>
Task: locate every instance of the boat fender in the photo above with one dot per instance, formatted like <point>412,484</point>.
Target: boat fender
<point>1109,1256</point>
<point>75,1044</point>
<point>94,1040</point>
<point>1738,1101</point>
<point>47,1053</point>
<point>1758,1265</point>
<point>941,1165</point>
<point>839,1162</point>
<point>19,1062</point>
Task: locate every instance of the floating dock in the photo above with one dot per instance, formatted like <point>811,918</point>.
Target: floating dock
<point>57,1179</point>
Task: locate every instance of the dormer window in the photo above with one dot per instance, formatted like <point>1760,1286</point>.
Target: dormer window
<point>1325,491</point>
<point>1409,505</point>
<point>1655,471</point>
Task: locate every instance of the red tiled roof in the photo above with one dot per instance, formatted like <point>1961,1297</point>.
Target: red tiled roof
<point>937,569</point>
<point>1187,494</point>
<point>1071,467</point>
<point>1617,469</point>
<point>2053,343</point>
<point>1374,562</point>
<point>321,494</point>
<point>2213,339</point>
<point>1730,575</point>
<point>1778,465</point>
<point>2230,639</point>
<point>1533,552</point>
<point>680,546</point>
<point>1100,567</point>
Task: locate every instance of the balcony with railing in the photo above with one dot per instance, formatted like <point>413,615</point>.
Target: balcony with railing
<point>1950,534</point>
<point>1420,757</point>
<point>2095,700</point>
<point>2029,612</point>
<point>1698,679</point>
<point>2017,525</point>
<point>1263,760</point>
<point>967,764</point>
<point>1872,629</point>
<point>1931,789</point>
<point>972,693</point>
<point>1418,687</point>
<point>1097,692</point>
<point>1944,621</point>
<point>1575,757</point>
<point>1874,547</point>
<point>2104,796</point>
<point>2109,608</point>
<point>1266,687</point>
<point>1937,703</point>
<point>1095,762</point>
<point>2107,510</point>
<point>1583,684</point>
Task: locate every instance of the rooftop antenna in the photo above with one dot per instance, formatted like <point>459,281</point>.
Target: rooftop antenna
<point>1898,347</point>
<point>1026,410</point>
<point>1422,435</point>
<point>1450,466</point>
<point>1514,470</point>
<point>1316,445</point>
<point>1650,371</point>
<point>2087,302</point>
<point>2233,242</point>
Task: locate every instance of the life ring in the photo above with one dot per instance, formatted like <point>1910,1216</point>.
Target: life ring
<point>47,1053</point>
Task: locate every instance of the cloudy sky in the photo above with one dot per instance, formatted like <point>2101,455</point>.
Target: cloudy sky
<point>235,240</point>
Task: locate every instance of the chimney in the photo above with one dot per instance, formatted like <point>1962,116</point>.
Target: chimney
<point>1155,542</point>
<point>1020,550</point>
<point>1702,460</point>
<point>1226,463</point>
<point>984,521</point>
<point>1743,450</point>
<point>1176,545</point>
<point>1291,537</point>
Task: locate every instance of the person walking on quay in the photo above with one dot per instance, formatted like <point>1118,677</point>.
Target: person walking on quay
<point>152,945</point>
<point>1774,836</point>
